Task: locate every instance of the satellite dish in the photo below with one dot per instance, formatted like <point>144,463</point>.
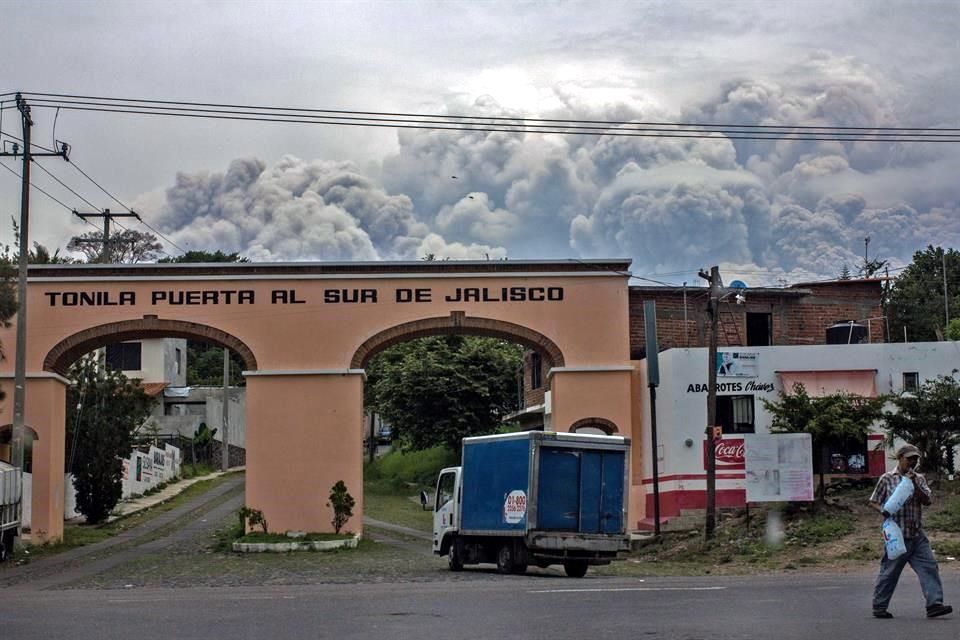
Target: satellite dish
<point>738,284</point>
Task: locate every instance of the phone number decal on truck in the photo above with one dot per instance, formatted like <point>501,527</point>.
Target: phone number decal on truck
<point>515,507</point>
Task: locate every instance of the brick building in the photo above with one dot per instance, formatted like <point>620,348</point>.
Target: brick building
<point>797,315</point>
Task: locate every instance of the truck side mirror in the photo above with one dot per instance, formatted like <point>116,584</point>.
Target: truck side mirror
<point>423,500</point>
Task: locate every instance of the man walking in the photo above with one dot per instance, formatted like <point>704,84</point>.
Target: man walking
<point>918,554</point>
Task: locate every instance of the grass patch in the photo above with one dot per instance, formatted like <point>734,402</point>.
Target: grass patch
<point>188,471</point>
<point>946,548</point>
<point>401,470</point>
<point>948,518</point>
<point>396,509</point>
<point>820,528</point>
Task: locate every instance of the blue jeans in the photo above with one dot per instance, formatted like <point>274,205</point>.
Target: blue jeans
<point>921,559</point>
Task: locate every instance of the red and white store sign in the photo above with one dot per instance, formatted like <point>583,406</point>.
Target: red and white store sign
<point>729,452</point>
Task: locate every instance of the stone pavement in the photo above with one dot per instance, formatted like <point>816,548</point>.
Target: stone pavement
<point>127,507</point>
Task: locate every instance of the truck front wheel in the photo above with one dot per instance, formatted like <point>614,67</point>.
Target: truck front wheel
<point>575,568</point>
<point>455,555</point>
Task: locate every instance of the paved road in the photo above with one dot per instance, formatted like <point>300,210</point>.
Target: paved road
<point>493,608</point>
<point>195,517</point>
<point>163,581</point>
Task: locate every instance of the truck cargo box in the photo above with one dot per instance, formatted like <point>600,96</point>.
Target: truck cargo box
<point>544,481</point>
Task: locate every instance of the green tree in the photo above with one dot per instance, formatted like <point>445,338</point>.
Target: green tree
<point>204,256</point>
<point>829,419</point>
<point>953,329</point>
<point>104,409</point>
<point>844,273</point>
<point>205,365</point>
<point>128,246</point>
<point>930,420</point>
<point>442,389</point>
<point>916,298</point>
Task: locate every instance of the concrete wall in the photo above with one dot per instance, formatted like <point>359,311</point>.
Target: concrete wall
<point>157,465</point>
<point>205,404</point>
<point>159,361</point>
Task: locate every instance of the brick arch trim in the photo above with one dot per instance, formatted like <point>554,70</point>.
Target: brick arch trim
<point>599,423</point>
<point>70,349</point>
<point>30,432</point>
<point>457,323</point>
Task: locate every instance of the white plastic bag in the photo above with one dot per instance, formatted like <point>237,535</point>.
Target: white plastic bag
<point>899,497</point>
<point>893,539</point>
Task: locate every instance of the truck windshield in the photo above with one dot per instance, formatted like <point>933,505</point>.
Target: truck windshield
<point>445,489</point>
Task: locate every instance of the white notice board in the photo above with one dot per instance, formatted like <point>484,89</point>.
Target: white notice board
<point>779,467</point>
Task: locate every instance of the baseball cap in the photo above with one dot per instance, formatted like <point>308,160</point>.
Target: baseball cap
<point>908,450</point>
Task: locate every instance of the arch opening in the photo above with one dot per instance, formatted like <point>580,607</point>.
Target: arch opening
<point>6,442</point>
<point>597,426</point>
<point>72,348</point>
<point>458,323</point>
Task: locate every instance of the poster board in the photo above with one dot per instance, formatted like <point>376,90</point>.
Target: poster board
<point>779,467</point>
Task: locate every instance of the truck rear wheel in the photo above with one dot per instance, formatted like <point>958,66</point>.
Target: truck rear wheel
<point>506,561</point>
<point>575,568</point>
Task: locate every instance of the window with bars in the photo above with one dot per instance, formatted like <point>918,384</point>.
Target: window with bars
<point>911,381</point>
<point>735,414</point>
<point>536,374</point>
<point>124,356</point>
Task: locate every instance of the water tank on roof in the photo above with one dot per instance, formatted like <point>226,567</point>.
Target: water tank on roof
<point>847,332</point>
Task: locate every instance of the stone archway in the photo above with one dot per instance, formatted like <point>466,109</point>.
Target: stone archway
<point>312,327</point>
<point>70,349</point>
<point>457,323</point>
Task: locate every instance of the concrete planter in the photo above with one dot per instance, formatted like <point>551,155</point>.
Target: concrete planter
<point>296,545</point>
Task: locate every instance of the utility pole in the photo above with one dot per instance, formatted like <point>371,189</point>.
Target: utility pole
<point>946,298</point>
<point>886,301</point>
<point>225,449</point>
<point>866,262</point>
<point>104,242</point>
<point>20,365</point>
<point>713,308</point>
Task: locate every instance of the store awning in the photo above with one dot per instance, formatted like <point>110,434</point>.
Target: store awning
<point>860,382</point>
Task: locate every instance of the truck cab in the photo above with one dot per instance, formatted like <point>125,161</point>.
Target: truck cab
<point>446,521</point>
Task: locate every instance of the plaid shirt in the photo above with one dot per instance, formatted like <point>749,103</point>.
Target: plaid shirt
<point>910,517</point>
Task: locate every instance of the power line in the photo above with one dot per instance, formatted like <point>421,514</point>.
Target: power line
<point>118,201</point>
<point>361,118</point>
<point>463,117</point>
<point>503,124</point>
<point>65,206</point>
<point>65,185</point>
<point>20,140</point>
<point>478,127</point>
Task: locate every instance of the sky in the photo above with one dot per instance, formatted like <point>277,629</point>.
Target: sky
<point>768,212</point>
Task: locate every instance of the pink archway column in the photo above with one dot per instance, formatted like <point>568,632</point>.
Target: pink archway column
<point>304,433</point>
<point>45,413</point>
<point>595,392</point>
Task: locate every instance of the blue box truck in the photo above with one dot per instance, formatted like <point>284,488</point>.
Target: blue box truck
<point>534,497</point>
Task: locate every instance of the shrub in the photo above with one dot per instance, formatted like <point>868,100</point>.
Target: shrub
<point>342,504</point>
<point>253,517</point>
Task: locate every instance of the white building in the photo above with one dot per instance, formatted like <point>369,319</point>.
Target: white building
<point>745,376</point>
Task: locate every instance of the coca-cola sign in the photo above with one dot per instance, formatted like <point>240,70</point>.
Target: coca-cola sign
<point>729,453</point>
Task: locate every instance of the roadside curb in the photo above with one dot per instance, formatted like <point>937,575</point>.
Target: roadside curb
<point>296,545</point>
